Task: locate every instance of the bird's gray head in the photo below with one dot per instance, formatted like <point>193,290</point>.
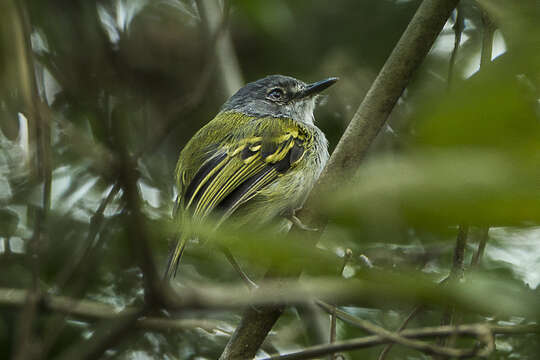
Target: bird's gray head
<point>278,96</point>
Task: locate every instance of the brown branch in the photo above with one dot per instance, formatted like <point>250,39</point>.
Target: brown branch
<point>107,334</point>
<point>487,39</point>
<point>226,297</point>
<point>370,117</point>
<point>135,223</point>
<point>403,325</point>
<point>92,311</point>
<point>77,269</point>
<point>458,27</point>
<point>475,261</point>
<point>194,99</point>
<point>346,257</point>
<point>396,336</point>
<point>26,340</point>
<point>227,62</point>
<point>458,263</point>
<point>483,332</point>
<point>456,273</point>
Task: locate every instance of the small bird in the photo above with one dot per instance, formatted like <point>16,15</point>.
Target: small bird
<point>256,161</point>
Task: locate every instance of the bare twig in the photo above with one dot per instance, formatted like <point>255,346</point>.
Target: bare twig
<point>332,330</point>
<point>403,325</point>
<point>475,261</point>
<point>346,257</point>
<point>458,27</point>
<point>77,269</point>
<point>458,264</point>
<point>92,310</point>
<point>27,346</point>
<point>108,333</point>
<point>136,222</point>
<point>481,331</point>
<point>227,62</point>
<point>208,300</point>
<point>487,39</point>
<point>456,273</point>
<point>113,332</point>
<point>377,330</point>
<point>76,265</point>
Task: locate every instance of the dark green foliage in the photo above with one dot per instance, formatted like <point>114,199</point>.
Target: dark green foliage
<point>129,82</point>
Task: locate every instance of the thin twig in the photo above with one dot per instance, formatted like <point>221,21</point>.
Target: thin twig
<point>346,257</point>
<point>76,265</point>
<point>333,330</point>
<point>26,342</point>
<point>108,333</point>
<point>487,39</point>
<point>456,273</point>
<point>403,325</point>
<point>88,310</point>
<point>135,221</point>
<point>477,257</point>
<point>482,332</point>
<point>458,27</point>
<point>227,62</point>
<point>77,269</point>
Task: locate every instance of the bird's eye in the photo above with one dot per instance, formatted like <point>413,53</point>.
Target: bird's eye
<point>275,94</point>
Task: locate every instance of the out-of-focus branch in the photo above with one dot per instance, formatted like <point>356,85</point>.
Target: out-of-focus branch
<point>77,269</point>
<point>475,261</point>
<point>26,339</point>
<point>482,332</point>
<point>456,273</point>
<point>458,27</point>
<point>193,100</point>
<point>332,290</point>
<point>107,334</point>
<point>136,221</point>
<point>93,310</point>
<point>227,62</point>
<point>209,299</point>
<point>403,325</point>
<point>370,117</point>
<point>457,270</point>
<point>487,39</point>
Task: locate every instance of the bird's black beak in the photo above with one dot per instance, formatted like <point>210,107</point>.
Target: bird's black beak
<point>316,87</point>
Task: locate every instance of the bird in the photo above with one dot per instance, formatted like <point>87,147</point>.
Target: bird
<point>255,161</point>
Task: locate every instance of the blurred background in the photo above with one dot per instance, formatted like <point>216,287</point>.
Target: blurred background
<point>90,89</point>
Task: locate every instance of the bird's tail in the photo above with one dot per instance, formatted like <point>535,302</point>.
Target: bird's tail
<point>174,257</point>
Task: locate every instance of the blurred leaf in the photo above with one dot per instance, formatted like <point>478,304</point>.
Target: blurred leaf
<point>439,188</point>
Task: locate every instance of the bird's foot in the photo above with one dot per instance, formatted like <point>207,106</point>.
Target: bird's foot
<point>298,223</point>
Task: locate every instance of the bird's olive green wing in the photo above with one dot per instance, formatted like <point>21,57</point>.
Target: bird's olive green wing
<point>241,166</point>
<point>225,174</point>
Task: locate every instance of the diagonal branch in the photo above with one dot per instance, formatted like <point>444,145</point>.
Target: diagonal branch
<point>370,117</point>
<point>483,332</point>
<point>39,125</point>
